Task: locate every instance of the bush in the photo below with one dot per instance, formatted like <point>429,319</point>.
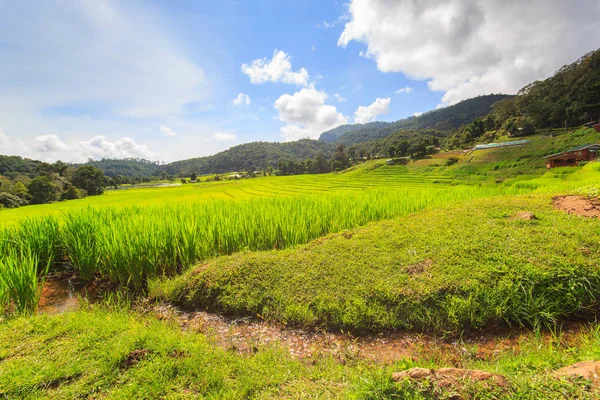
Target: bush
<point>519,126</point>
<point>43,190</point>
<point>74,193</point>
<point>8,200</point>
<point>451,161</point>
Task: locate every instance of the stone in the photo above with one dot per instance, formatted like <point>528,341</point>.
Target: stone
<point>585,369</point>
<point>445,377</point>
<point>525,216</point>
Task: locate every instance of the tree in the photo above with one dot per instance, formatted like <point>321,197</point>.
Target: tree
<point>392,151</point>
<point>193,176</point>
<point>90,179</point>
<point>340,160</point>
<point>43,190</point>
<point>72,193</point>
<point>417,150</point>
<point>321,165</point>
<point>21,191</point>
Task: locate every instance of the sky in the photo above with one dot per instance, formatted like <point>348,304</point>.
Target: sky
<point>167,80</point>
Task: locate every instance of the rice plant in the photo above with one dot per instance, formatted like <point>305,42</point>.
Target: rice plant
<point>131,244</point>
<point>21,281</point>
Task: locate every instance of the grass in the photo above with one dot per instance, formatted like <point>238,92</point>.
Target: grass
<point>131,244</point>
<point>425,246</point>
<point>103,353</point>
<point>21,281</point>
<point>443,269</point>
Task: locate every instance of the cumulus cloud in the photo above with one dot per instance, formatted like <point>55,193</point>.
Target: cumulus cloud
<point>306,115</point>
<point>466,48</point>
<point>277,69</point>
<point>168,132</point>
<point>224,137</point>
<point>241,98</point>
<point>48,144</point>
<point>364,114</point>
<point>96,148</point>
<point>406,89</point>
<point>417,114</point>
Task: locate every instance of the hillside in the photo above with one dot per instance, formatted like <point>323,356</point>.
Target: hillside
<point>251,156</point>
<point>445,119</point>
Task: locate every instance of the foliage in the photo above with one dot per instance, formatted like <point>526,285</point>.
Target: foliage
<point>90,179</point>
<point>43,190</point>
<point>456,268</point>
<point>73,193</point>
<point>11,201</point>
<point>446,119</point>
<point>20,280</point>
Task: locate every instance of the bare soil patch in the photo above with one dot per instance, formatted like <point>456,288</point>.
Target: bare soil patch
<point>578,205</point>
<point>247,335</point>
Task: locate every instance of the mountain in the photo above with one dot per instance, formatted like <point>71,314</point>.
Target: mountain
<point>251,156</point>
<point>445,119</point>
<point>571,96</point>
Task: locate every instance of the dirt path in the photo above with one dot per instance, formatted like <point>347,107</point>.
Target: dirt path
<point>246,336</point>
<point>578,205</point>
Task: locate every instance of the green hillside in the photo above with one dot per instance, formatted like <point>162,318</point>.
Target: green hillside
<point>445,119</point>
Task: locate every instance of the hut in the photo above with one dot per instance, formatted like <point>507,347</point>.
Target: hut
<point>573,157</point>
<point>596,127</point>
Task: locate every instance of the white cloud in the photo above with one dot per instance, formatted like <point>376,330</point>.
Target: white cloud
<point>339,98</point>
<point>278,69</point>
<point>241,98</point>
<point>306,114</point>
<point>417,114</point>
<point>406,89</point>
<point>49,144</point>
<point>168,132</point>
<point>224,137</point>
<point>466,48</point>
<point>52,146</point>
<point>366,114</point>
<point>331,24</point>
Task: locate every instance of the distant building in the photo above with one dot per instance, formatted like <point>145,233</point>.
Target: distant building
<point>500,145</point>
<point>573,157</point>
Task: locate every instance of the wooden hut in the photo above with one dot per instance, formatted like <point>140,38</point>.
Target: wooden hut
<point>573,157</point>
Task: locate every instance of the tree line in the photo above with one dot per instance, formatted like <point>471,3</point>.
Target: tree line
<point>47,183</point>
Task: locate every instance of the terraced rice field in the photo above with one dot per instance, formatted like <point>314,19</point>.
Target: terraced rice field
<point>374,175</point>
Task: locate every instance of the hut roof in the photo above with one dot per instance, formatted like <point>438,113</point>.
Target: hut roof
<point>578,148</point>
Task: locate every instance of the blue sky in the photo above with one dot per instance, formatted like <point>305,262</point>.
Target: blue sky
<point>159,79</point>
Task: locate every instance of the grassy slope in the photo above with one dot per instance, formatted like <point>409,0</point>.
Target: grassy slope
<point>440,269</point>
<point>85,354</point>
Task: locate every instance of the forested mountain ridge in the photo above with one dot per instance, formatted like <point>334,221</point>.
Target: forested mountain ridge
<point>445,119</point>
<point>252,156</point>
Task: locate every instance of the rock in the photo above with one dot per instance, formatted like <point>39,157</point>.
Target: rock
<point>585,369</point>
<point>413,373</point>
<point>445,377</point>
<point>525,216</point>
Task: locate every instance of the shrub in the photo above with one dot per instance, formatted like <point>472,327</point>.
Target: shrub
<point>74,193</point>
<point>451,161</point>
<point>8,200</point>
